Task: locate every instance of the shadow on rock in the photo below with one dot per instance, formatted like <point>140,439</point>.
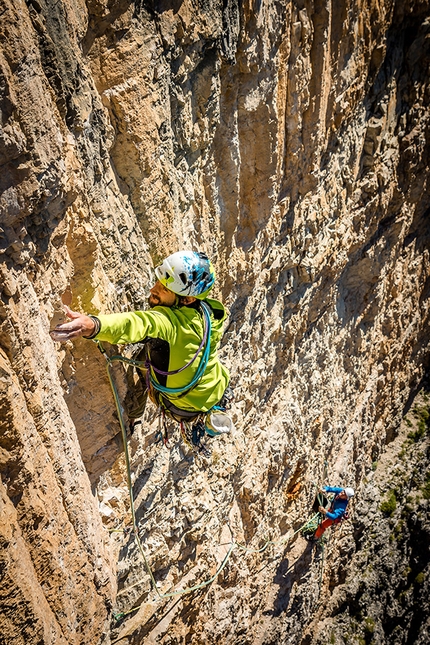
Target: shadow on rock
<point>286,575</point>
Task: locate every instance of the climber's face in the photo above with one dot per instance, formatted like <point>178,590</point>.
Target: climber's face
<point>160,295</point>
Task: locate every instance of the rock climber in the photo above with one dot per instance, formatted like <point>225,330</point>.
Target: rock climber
<point>337,510</point>
<point>181,332</point>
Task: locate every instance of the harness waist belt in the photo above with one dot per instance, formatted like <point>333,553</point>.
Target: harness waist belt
<point>170,407</point>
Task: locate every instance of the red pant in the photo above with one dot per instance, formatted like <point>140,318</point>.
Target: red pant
<point>323,526</point>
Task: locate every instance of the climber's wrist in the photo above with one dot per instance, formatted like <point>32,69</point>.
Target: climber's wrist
<point>96,328</point>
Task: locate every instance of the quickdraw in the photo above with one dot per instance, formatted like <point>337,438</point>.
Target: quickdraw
<point>163,432</point>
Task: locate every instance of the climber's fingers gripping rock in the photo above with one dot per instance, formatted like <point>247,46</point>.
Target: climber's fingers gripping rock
<point>79,325</point>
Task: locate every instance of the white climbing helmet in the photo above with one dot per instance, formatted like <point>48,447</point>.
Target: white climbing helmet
<point>187,273</point>
<point>349,492</point>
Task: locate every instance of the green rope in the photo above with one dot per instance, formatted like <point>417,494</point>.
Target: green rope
<point>277,542</point>
<point>181,592</point>
<point>320,495</point>
<point>233,545</point>
<point>130,488</point>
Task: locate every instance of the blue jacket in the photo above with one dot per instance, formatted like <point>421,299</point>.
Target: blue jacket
<point>338,506</point>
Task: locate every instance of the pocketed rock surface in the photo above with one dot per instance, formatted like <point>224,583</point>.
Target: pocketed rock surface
<point>289,141</point>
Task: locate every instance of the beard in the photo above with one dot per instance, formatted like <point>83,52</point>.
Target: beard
<point>153,301</point>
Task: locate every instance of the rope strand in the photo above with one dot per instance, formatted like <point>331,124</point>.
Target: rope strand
<point>135,528</point>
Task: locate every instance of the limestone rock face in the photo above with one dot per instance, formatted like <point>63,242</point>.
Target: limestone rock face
<point>290,141</point>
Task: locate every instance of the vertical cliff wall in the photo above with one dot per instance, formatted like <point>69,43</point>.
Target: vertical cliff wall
<point>290,141</point>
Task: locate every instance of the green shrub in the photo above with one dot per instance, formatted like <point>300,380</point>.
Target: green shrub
<point>419,580</point>
<point>424,415</point>
<point>388,506</point>
<point>398,529</point>
<point>426,488</point>
<point>404,597</point>
<point>408,506</point>
<point>418,434</point>
<point>421,412</point>
<point>369,626</point>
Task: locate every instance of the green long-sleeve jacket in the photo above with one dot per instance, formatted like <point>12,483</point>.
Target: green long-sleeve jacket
<point>183,329</point>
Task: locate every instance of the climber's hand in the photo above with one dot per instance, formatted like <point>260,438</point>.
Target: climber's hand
<point>79,325</point>
<point>322,510</point>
